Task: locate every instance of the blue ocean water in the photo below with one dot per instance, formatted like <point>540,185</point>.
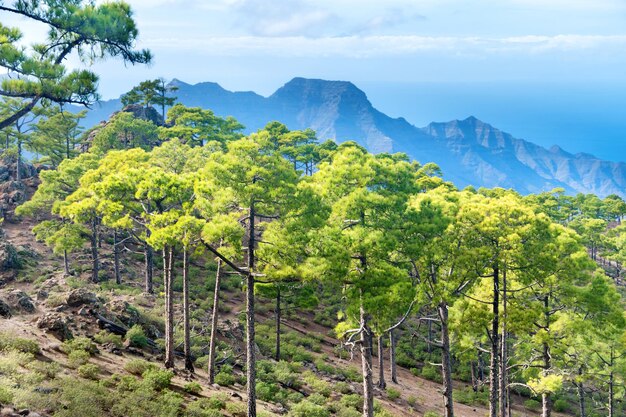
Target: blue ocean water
<point>589,118</point>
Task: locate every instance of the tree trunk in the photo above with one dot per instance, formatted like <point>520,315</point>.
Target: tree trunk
<point>250,344</point>
<point>169,307</point>
<point>94,251</point>
<point>429,345</point>
<point>18,163</point>
<point>214,313</point>
<point>580,388</point>
<point>546,399</point>
<point>446,368</point>
<point>187,334</point>
<point>366,366</point>
<point>67,147</point>
<point>116,259</point>
<point>611,391</point>
<point>148,255</point>
<point>392,357</point>
<point>503,352</point>
<point>66,263</point>
<point>473,376</point>
<point>495,345</point>
<point>277,315</point>
<point>382,384</point>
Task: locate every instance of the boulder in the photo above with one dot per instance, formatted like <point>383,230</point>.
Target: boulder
<point>56,325</point>
<point>19,300</point>
<point>9,258</point>
<point>5,310</point>
<point>81,297</point>
<point>123,312</point>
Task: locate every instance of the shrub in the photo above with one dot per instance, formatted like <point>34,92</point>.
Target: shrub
<point>317,385</point>
<point>352,374</point>
<point>89,371</point>
<point>77,358</point>
<point>317,399</point>
<point>139,366</point>
<point>104,337</point>
<point>432,373</point>
<point>9,342</point>
<point>80,343</point>
<point>267,391</point>
<point>236,409</point>
<point>136,337</point>
<point>158,379</point>
<point>354,401</point>
<point>393,394</point>
<point>532,404</point>
<point>193,387</point>
<point>47,369</point>
<point>412,400</point>
<point>308,409</point>
<point>224,379</point>
<point>560,405</point>
<point>324,367</point>
<point>6,396</point>
<point>204,407</point>
<point>431,414</point>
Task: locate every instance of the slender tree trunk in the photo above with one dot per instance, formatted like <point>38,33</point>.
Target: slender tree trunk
<point>503,352</point>
<point>546,399</point>
<point>429,345</point>
<point>446,368</point>
<point>277,315</point>
<point>250,344</point>
<point>214,313</point>
<point>187,333</point>
<point>18,163</point>
<point>366,365</point>
<point>473,376</point>
<point>94,251</point>
<point>116,259</point>
<point>392,357</point>
<point>169,307</point>
<point>495,345</point>
<point>67,147</point>
<point>148,256</point>
<point>382,384</point>
<point>611,389</point>
<point>580,388</point>
<point>66,263</point>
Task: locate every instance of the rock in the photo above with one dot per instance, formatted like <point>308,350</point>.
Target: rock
<point>42,295</point>
<point>24,412</point>
<point>111,348</point>
<point>55,324</point>
<point>81,297</point>
<point>123,312</point>
<point>21,301</point>
<point>9,258</point>
<point>5,310</point>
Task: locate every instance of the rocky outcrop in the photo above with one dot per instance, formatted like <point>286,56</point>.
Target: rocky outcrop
<point>20,301</point>
<point>80,297</point>
<point>123,312</point>
<point>5,310</point>
<point>55,324</point>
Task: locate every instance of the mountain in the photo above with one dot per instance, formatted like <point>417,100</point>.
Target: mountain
<point>470,152</point>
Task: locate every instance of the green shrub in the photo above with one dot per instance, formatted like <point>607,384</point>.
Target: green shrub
<point>6,395</point>
<point>393,394</point>
<point>80,343</point>
<point>104,337</point>
<point>324,367</point>
<point>531,404</point>
<point>343,387</point>
<point>307,408</point>
<point>136,337</point>
<point>470,397</point>
<point>139,366</point>
<point>560,405</point>
<point>47,369</point>
<point>158,379</point>
<point>267,391</point>
<point>317,399</point>
<point>224,379</point>
<point>317,385</point>
<point>431,414</point>
<point>204,407</point>
<point>89,371</point>
<point>193,387</point>
<point>236,409</point>
<point>352,374</point>
<point>77,358</point>
<point>432,373</point>
<point>354,401</point>
<point>412,400</point>
<point>10,342</point>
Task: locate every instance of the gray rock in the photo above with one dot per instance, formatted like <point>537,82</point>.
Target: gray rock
<point>81,297</point>
<point>5,310</point>
<point>56,325</point>
<point>19,300</point>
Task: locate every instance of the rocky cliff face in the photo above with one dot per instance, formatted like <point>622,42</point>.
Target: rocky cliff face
<point>470,152</point>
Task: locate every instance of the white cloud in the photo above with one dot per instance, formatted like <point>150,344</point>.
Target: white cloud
<point>381,46</point>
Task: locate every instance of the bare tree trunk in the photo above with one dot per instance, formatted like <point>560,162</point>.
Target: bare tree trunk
<point>546,399</point>
<point>187,333</point>
<point>429,345</point>
<point>250,344</point>
<point>392,357</point>
<point>366,366</point>
<point>382,384</point>
<point>278,315</point>
<point>495,346</point>
<point>473,376</point>
<point>169,307</point>
<point>611,391</point>
<point>503,352</point>
<point>116,259</point>
<point>148,255</point>
<point>66,263</point>
<point>94,251</point>
<point>214,314</point>
<point>580,388</point>
<point>446,368</point>
<point>18,163</point>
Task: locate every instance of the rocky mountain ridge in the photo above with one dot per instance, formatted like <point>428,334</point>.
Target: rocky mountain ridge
<point>469,151</point>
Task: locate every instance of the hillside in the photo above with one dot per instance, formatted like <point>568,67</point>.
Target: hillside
<point>470,152</point>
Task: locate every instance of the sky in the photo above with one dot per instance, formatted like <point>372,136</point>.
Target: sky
<point>550,71</point>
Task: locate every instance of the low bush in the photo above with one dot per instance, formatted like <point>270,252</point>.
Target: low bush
<point>89,371</point>
<point>193,387</point>
<point>136,337</point>
<point>393,394</point>
<point>138,366</point>
<point>10,342</point>
<point>158,379</point>
<point>533,405</point>
<point>79,343</point>
<point>307,408</point>
<point>104,337</point>
<point>77,358</point>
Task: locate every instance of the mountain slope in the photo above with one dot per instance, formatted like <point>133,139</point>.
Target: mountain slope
<point>470,152</point>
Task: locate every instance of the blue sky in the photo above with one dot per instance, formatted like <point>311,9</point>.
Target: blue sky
<point>491,49</point>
